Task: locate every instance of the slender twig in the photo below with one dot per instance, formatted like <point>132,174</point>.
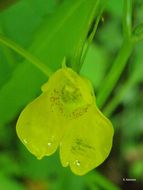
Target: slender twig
<point>114,73</point>
<point>122,57</point>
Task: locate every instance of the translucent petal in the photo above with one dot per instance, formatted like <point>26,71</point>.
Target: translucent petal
<point>42,123</point>
<point>65,113</point>
<point>87,141</point>
<point>39,128</point>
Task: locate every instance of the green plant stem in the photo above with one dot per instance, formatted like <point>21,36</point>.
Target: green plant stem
<point>127,19</point>
<point>90,38</point>
<point>79,51</point>
<point>36,62</point>
<point>108,110</point>
<point>115,72</point>
<point>134,37</point>
<point>134,78</point>
<point>121,59</point>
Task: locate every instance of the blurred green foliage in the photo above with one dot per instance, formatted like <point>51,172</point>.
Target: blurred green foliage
<point>51,29</point>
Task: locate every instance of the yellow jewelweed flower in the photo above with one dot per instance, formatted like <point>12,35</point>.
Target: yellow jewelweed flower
<point>66,115</point>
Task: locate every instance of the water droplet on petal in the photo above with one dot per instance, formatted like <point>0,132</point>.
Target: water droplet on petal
<point>77,163</point>
<point>49,144</point>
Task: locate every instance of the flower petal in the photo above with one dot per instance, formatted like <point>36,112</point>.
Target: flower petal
<point>38,127</point>
<point>87,142</point>
<point>43,122</point>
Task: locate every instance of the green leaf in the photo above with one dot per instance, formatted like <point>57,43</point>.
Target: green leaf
<point>62,34</point>
<point>19,22</point>
<point>5,67</point>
